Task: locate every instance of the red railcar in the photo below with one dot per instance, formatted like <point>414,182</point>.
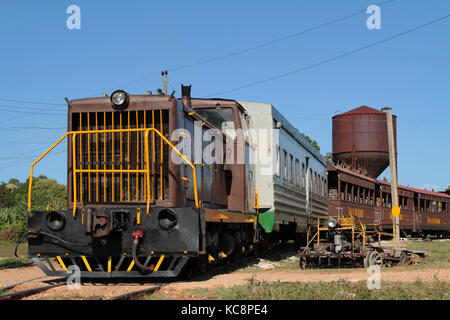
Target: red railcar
<point>369,201</point>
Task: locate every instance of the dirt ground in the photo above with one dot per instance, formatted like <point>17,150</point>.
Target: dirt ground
<point>241,278</point>
<point>90,290</point>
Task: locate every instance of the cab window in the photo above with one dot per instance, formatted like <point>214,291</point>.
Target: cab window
<point>222,119</point>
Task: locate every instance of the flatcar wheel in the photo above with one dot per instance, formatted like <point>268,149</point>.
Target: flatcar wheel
<point>414,259</point>
<point>403,260</point>
<point>366,260</point>
<point>375,259</point>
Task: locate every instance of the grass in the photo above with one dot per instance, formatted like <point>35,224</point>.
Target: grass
<point>438,252</point>
<point>7,253</point>
<point>438,256</point>
<point>11,261</point>
<point>336,290</point>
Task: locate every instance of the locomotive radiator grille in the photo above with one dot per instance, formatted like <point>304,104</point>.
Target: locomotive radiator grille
<point>114,163</point>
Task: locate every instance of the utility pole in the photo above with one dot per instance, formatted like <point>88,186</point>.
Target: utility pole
<point>393,169</point>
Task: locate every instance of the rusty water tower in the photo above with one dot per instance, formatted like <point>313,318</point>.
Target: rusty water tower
<point>360,139</point>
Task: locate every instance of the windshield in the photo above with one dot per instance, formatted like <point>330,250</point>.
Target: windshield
<point>221,118</point>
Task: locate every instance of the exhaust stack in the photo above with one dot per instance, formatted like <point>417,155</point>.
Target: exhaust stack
<point>164,76</point>
<point>186,95</point>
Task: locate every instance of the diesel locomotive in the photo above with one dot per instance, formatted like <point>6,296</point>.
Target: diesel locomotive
<point>159,184</point>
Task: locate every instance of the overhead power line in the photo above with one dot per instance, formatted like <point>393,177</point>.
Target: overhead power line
<point>30,128</point>
<point>29,161</point>
<point>27,154</point>
<point>59,110</point>
<point>282,75</point>
<point>25,142</point>
<point>262,45</point>
<point>33,102</point>
<point>40,113</point>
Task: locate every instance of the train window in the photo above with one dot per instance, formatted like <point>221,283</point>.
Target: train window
<point>303,176</point>
<point>315,182</point>
<point>285,167</point>
<point>291,159</point>
<point>278,161</point>
<point>319,185</point>
<point>297,172</point>
<point>323,188</point>
<point>222,119</point>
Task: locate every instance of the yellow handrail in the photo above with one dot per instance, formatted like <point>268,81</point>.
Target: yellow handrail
<point>147,170</point>
<point>255,200</point>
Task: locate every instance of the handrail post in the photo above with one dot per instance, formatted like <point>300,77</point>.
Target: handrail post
<point>74,172</point>
<point>36,161</point>
<point>148,169</point>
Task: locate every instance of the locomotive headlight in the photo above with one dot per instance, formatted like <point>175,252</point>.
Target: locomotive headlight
<point>332,222</point>
<point>55,221</point>
<point>119,100</point>
<point>167,219</point>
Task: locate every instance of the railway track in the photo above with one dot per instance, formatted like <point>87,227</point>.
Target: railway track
<point>15,265</point>
<point>135,294</point>
<point>17,295</point>
<point>26,293</point>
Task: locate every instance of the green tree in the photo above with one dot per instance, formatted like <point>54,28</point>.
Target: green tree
<point>14,181</point>
<point>6,196</point>
<point>44,192</point>
<point>313,142</point>
<point>13,219</point>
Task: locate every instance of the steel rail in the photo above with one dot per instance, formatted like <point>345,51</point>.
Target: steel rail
<point>19,283</point>
<point>16,265</point>
<point>129,295</point>
<point>28,292</point>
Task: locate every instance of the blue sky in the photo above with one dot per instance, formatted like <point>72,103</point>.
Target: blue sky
<point>119,42</point>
